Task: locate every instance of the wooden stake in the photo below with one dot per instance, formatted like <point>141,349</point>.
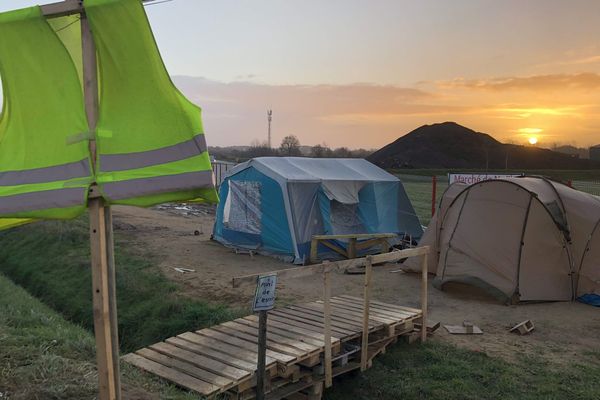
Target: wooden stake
<point>112,296</point>
<point>101,243</point>
<point>327,326</point>
<point>367,301</point>
<point>314,250</point>
<point>262,355</point>
<point>424,298</point>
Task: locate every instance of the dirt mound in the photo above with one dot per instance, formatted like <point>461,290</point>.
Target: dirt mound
<point>450,145</point>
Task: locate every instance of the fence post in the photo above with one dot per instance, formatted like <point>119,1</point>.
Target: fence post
<point>433,194</point>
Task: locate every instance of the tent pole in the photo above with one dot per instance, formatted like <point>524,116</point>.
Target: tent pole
<point>101,243</point>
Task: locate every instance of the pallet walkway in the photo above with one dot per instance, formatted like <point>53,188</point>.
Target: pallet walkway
<point>222,358</point>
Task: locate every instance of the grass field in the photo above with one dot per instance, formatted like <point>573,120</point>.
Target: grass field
<point>51,260</point>
<point>443,371</point>
<point>418,184</point>
<point>43,356</point>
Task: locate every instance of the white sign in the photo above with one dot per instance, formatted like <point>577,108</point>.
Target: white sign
<point>264,299</point>
<point>470,179</point>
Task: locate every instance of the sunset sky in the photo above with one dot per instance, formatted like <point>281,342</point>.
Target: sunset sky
<point>361,73</point>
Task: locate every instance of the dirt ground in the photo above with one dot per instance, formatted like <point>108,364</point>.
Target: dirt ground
<point>563,330</point>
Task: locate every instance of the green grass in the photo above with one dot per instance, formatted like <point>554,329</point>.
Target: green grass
<point>563,175</point>
<point>43,356</point>
<point>443,371</point>
<point>51,260</point>
<point>418,184</point>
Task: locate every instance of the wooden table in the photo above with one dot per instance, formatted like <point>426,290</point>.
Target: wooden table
<point>372,239</point>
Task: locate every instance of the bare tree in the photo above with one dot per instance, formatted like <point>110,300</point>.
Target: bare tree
<point>290,146</point>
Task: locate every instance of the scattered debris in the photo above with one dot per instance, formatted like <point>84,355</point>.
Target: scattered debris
<point>467,328</point>
<point>241,251</point>
<point>183,270</point>
<point>398,271</point>
<point>524,328</point>
<point>193,210</point>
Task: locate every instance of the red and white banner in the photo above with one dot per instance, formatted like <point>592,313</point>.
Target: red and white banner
<point>470,179</point>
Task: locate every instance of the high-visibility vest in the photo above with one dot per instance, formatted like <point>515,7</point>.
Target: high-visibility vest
<point>41,174</point>
<point>149,137</point>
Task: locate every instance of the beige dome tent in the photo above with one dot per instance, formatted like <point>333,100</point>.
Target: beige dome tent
<point>522,239</point>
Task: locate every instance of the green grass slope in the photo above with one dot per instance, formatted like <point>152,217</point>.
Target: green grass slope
<point>51,260</point>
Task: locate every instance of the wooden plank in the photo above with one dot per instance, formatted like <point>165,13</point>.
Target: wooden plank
<point>107,385</point>
<point>355,236</point>
<point>247,327</point>
<point>392,315</point>
<point>327,329</point>
<point>355,316</point>
<point>253,339</point>
<point>112,296</point>
<point>296,317</point>
<point>367,299</point>
<point>314,250</point>
<point>352,248</point>
<point>214,366</point>
<point>293,331</point>
<point>301,272</point>
<point>61,9</point>
<point>424,297</point>
<point>369,243</point>
<point>187,368</point>
<point>180,379</point>
<point>262,355</point>
<point>391,306</point>
<point>240,359</point>
<point>335,319</point>
<point>283,330</point>
<point>245,344</point>
<point>358,311</point>
<point>335,248</point>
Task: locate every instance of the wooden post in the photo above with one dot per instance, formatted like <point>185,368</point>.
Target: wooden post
<point>424,298</point>
<point>352,248</point>
<point>314,250</point>
<point>101,243</point>
<point>262,355</point>
<point>433,194</point>
<point>327,324</point>
<point>367,301</point>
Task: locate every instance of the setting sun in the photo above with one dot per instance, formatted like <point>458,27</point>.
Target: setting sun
<point>533,140</point>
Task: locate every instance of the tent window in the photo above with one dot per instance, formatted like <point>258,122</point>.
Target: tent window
<point>345,218</point>
<point>242,211</point>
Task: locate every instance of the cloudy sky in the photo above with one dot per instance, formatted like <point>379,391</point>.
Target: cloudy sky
<point>360,73</point>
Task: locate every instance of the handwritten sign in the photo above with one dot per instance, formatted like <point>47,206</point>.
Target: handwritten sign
<point>264,299</point>
<point>470,179</point>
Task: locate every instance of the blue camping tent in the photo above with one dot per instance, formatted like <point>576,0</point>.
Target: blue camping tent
<point>274,205</point>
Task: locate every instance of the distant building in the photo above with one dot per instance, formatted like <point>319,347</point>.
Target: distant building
<point>595,152</point>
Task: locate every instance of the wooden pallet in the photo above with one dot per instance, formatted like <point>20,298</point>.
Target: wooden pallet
<point>222,358</point>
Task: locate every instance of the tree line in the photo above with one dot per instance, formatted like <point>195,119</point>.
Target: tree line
<point>290,147</point>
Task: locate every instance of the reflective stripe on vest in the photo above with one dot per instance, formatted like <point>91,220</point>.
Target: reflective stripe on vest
<point>77,169</point>
<point>42,200</point>
<point>158,184</point>
<point>180,151</point>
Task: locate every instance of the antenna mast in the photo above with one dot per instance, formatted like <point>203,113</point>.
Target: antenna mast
<point>269,117</point>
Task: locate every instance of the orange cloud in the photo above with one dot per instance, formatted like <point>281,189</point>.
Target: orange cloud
<point>581,81</point>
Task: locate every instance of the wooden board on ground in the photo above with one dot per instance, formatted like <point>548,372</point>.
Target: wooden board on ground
<point>462,330</point>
